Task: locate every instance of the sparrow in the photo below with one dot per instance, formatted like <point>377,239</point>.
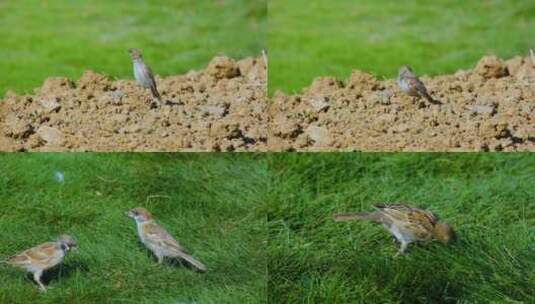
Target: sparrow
<point>407,224</point>
<point>43,257</point>
<point>411,85</point>
<point>158,240</point>
<point>143,73</point>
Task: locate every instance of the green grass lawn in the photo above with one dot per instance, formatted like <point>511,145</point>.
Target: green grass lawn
<point>488,198</point>
<point>323,37</point>
<point>65,37</point>
<point>210,203</point>
<point>216,206</point>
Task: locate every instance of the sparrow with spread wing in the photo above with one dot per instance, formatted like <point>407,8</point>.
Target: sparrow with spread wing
<point>158,240</point>
<point>43,257</point>
<point>407,224</point>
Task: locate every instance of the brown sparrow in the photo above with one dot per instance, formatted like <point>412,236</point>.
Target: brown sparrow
<point>406,223</point>
<point>411,85</point>
<point>43,257</point>
<point>143,73</point>
<point>158,240</point>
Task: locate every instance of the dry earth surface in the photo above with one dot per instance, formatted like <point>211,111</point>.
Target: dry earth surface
<point>225,108</point>
<point>488,108</point>
<point>221,108</point>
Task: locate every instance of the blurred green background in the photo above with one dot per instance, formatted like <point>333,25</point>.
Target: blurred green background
<point>42,38</point>
<point>209,202</point>
<point>322,37</point>
<point>489,199</point>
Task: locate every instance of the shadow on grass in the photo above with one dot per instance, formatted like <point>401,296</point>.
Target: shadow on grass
<point>61,272</point>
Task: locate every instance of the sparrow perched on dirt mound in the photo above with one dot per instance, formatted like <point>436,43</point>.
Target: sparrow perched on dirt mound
<point>43,257</point>
<point>406,223</point>
<point>412,86</point>
<point>143,73</point>
<point>158,240</point>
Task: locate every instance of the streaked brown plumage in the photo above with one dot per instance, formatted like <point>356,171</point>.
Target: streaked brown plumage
<point>411,84</point>
<point>407,224</point>
<point>143,73</point>
<point>158,240</point>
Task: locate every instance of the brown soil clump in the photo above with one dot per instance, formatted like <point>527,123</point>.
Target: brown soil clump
<point>222,108</point>
<point>489,108</point>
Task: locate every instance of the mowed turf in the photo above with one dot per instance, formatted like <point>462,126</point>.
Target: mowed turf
<point>488,198</point>
<point>308,39</point>
<point>64,37</point>
<point>208,202</point>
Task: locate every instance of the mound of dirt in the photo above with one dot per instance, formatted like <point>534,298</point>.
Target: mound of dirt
<point>489,108</point>
<point>222,108</point>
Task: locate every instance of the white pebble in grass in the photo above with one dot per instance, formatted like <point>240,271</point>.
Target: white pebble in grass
<point>59,177</point>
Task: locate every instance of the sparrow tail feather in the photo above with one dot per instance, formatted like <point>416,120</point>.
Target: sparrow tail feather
<point>370,216</point>
<point>155,92</point>
<point>198,265</point>
<point>430,99</point>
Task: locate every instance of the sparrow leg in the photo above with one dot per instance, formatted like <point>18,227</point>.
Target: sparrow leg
<point>160,259</point>
<point>37,278</point>
<point>401,249</point>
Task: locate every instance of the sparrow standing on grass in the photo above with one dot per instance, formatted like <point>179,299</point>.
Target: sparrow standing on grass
<point>411,85</point>
<point>43,257</point>
<point>406,223</point>
<point>143,73</point>
<point>158,240</point>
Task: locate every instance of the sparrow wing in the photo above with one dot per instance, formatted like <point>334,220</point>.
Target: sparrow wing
<point>148,73</point>
<point>417,84</point>
<point>150,76</point>
<point>421,223</point>
<point>42,255</point>
<point>19,259</point>
<point>420,88</point>
<point>415,221</point>
<point>160,237</point>
<point>394,211</point>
